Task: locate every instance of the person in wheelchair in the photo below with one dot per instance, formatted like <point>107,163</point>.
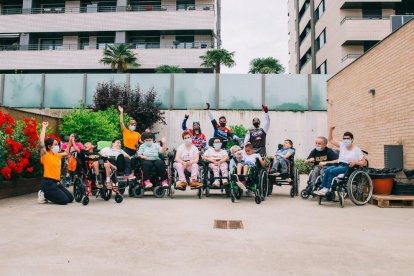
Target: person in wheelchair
<point>186,159</point>
<point>198,138</point>
<point>88,153</point>
<point>320,154</point>
<point>75,141</point>
<point>218,158</point>
<point>349,156</point>
<point>249,162</point>
<point>149,152</point>
<point>236,157</point>
<point>281,160</point>
<point>117,159</point>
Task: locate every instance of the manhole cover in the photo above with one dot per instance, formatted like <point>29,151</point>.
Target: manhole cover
<point>228,224</point>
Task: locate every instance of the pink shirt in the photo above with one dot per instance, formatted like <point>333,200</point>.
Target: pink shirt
<point>65,145</point>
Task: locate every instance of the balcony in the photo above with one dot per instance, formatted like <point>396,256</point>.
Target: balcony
<point>357,4</point>
<point>196,17</point>
<point>356,30</point>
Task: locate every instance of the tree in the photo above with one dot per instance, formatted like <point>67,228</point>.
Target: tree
<point>214,59</point>
<point>169,69</point>
<point>141,106</point>
<point>119,57</point>
<point>268,65</point>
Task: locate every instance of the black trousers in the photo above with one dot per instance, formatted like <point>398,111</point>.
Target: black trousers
<point>148,166</point>
<point>55,192</point>
<point>122,164</point>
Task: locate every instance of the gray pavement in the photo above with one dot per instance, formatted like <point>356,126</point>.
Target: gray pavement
<point>149,236</point>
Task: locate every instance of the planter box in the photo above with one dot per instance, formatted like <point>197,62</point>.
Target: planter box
<point>19,187</point>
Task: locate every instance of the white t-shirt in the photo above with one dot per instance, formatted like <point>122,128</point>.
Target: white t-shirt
<point>216,155</point>
<point>251,158</point>
<point>111,152</point>
<point>187,155</point>
<point>347,156</point>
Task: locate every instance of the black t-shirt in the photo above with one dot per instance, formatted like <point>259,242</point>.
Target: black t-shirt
<point>321,156</point>
<point>89,155</point>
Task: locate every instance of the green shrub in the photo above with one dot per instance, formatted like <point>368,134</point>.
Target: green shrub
<point>238,130</point>
<point>302,166</point>
<point>93,126</point>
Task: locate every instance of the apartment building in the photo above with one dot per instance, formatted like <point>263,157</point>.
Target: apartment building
<point>69,36</point>
<point>327,35</point>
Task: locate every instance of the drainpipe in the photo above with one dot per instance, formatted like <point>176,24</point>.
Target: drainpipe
<point>297,37</point>
<point>313,50</point>
<point>218,7</point>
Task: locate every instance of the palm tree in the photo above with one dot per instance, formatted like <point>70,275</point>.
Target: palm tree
<point>119,57</point>
<point>268,65</point>
<point>169,69</point>
<point>214,58</point>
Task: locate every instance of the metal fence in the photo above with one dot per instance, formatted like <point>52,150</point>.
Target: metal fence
<point>174,91</point>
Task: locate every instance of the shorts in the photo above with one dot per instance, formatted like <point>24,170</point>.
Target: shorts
<point>250,164</point>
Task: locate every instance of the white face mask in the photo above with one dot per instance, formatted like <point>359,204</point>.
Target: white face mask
<point>132,128</point>
<point>347,143</point>
<point>187,141</point>
<point>217,145</point>
<point>55,149</point>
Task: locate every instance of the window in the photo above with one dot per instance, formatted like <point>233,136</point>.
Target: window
<point>320,10</point>
<point>185,4</point>
<point>304,9</point>
<point>146,42</point>
<point>84,43</point>
<point>321,40</point>
<point>186,41</point>
<point>304,33</point>
<point>51,43</point>
<point>368,44</point>
<point>102,41</point>
<point>306,57</point>
<point>323,69</point>
<point>371,10</point>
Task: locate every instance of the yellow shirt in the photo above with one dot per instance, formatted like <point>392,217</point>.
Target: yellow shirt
<point>51,165</point>
<point>130,138</point>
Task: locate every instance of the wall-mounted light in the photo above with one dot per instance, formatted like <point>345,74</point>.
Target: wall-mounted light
<point>371,91</point>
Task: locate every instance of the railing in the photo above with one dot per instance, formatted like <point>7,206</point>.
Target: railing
<point>351,56</point>
<point>94,9</point>
<point>364,18</point>
<point>140,45</point>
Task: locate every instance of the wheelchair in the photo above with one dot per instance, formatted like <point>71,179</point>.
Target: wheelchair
<point>257,181</point>
<point>137,189</point>
<point>174,176</point>
<point>355,183</point>
<point>311,187</point>
<point>293,180</point>
<point>85,182</point>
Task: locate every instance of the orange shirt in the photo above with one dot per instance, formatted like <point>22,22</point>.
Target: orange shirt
<point>130,138</point>
<point>51,165</point>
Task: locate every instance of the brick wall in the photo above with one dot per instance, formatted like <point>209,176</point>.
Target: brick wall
<point>388,117</point>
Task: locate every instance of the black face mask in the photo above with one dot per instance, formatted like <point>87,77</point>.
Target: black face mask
<point>256,125</point>
<point>222,124</point>
<point>196,128</point>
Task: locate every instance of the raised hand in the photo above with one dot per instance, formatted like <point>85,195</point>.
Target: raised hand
<point>265,108</point>
<point>207,106</point>
<point>186,116</point>
<point>120,108</point>
<point>332,128</point>
<point>45,124</point>
<point>163,140</point>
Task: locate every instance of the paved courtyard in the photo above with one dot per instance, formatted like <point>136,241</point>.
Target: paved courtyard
<point>148,236</point>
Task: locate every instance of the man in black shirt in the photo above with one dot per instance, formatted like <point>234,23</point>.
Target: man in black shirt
<point>321,153</point>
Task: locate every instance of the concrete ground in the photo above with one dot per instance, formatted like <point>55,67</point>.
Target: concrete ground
<point>149,236</point>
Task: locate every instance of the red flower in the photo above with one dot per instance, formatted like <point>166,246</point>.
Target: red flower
<point>6,172</point>
<point>9,130</point>
<point>30,169</point>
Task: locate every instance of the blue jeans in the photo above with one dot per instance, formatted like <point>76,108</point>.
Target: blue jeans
<point>330,173</point>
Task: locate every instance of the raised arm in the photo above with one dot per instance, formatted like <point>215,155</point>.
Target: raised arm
<point>121,117</point>
<point>42,138</point>
<point>331,139</point>
<point>164,145</point>
<point>184,124</point>
<point>266,119</point>
<point>247,138</point>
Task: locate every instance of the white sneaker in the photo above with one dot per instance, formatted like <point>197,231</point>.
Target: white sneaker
<point>216,184</point>
<point>323,191</point>
<point>249,193</point>
<point>41,197</point>
<point>241,186</point>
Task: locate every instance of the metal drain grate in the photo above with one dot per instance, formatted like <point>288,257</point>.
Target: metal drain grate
<point>228,224</point>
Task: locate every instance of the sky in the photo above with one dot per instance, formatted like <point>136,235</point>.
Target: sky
<point>254,29</point>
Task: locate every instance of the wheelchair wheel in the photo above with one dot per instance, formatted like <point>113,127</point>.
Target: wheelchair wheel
<point>207,191</point>
<point>171,192</point>
<point>238,193</point>
<point>359,187</point>
<point>121,190</point>
<point>296,182</point>
<point>319,200</point>
<point>119,198</point>
<point>138,191</point>
<point>263,183</point>
<point>270,189</point>
<point>304,194</point>
<point>233,198</point>
<point>106,194</point>
<point>159,192</point>
<point>292,192</point>
<point>78,189</point>
<point>258,199</point>
<point>341,197</point>
<point>130,192</point>
<point>85,201</point>
<point>199,193</point>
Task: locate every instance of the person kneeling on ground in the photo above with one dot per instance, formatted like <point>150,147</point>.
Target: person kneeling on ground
<point>249,162</point>
<point>51,189</point>
<point>218,162</point>
<point>349,156</point>
<point>282,159</point>
<point>320,154</point>
<point>149,153</point>
<point>186,158</point>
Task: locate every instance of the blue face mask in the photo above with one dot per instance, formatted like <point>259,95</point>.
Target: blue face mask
<point>318,148</point>
<point>188,141</point>
<point>132,128</point>
<point>347,143</point>
<point>55,149</point>
<point>217,145</point>
<point>148,143</point>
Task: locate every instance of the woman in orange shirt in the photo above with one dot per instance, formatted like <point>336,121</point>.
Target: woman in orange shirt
<point>51,189</point>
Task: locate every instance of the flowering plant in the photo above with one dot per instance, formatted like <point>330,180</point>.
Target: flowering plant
<point>19,155</point>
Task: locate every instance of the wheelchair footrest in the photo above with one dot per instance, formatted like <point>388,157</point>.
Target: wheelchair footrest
<point>181,189</point>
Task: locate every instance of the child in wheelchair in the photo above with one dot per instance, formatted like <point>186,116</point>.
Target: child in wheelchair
<point>90,161</point>
<point>281,160</point>
<point>217,158</point>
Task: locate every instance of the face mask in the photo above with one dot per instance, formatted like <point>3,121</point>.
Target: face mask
<point>196,128</point>
<point>256,125</point>
<point>132,128</point>
<point>55,149</point>
<point>148,143</point>
<point>187,141</point>
<point>347,143</point>
<point>318,148</point>
<point>222,124</point>
<point>217,145</point>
